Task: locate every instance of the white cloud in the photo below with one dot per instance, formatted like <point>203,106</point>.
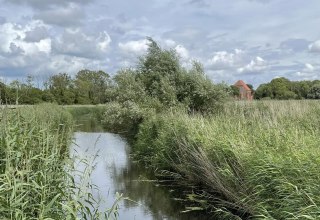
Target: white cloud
<point>13,39</point>
<point>138,47</point>
<point>182,52</point>
<point>309,72</point>
<point>170,43</point>
<point>225,60</point>
<point>307,75</point>
<point>309,67</point>
<point>103,41</point>
<point>44,45</point>
<point>315,47</point>
<point>70,16</point>
<point>74,42</point>
<point>256,65</point>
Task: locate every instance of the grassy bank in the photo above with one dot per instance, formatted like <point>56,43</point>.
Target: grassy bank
<point>35,167</point>
<point>33,149</point>
<point>87,117</point>
<point>257,159</point>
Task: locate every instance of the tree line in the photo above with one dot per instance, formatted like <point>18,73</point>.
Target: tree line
<point>158,79</point>
<point>282,88</point>
<point>87,87</point>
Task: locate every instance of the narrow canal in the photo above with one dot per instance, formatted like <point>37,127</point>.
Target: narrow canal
<point>114,172</point>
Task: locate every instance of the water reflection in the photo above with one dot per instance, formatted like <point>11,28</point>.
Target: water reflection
<point>115,172</point>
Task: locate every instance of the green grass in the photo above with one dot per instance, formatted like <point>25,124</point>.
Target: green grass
<point>257,160</point>
<point>36,180</point>
<point>33,150</point>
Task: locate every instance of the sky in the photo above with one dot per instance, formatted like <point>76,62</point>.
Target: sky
<point>252,40</point>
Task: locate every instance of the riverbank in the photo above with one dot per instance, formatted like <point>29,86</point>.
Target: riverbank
<point>252,160</point>
<point>36,168</point>
<point>33,150</point>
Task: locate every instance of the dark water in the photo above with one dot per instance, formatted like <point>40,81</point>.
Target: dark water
<point>115,172</point>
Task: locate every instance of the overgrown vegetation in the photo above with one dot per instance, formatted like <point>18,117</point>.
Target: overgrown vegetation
<point>248,160</point>
<point>35,167</point>
<point>157,84</point>
<point>33,151</point>
<point>254,159</point>
<point>240,160</point>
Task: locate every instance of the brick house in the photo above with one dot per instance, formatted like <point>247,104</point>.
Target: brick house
<point>245,93</point>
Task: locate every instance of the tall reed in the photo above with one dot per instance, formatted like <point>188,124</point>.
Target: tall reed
<point>255,160</point>
<point>36,180</point>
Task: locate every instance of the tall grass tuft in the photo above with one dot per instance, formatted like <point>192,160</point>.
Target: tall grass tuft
<point>256,160</point>
<point>36,180</point>
<point>33,149</point>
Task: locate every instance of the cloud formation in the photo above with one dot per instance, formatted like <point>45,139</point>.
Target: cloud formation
<point>256,65</point>
<point>182,52</point>
<point>135,47</point>
<point>224,60</point>
<point>315,47</point>
<point>78,44</point>
<point>53,36</point>
<point>40,4</point>
<point>36,34</point>
<point>71,15</point>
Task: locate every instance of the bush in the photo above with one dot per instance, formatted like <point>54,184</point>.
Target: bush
<point>158,84</point>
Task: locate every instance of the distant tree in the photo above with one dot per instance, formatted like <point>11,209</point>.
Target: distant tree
<point>314,92</point>
<point>61,87</point>
<point>159,70</point>
<point>264,91</point>
<point>91,86</point>
<point>279,88</point>
<point>3,93</point>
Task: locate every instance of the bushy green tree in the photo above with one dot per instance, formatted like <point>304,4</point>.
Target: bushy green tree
<point>282,88</point>
<point>158,84</point>
<point>127,86</point>
<point>91,86</point>
<point>61,86</point>
<point>314,92</point>
<point>165,79</point>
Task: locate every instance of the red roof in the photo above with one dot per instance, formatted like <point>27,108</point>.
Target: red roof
<point>241,83</point>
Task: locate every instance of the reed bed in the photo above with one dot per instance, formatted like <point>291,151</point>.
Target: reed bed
<point>36,180</point>
<point>253,160</point>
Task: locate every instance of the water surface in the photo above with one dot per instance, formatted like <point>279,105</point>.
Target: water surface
<point>115,172</point>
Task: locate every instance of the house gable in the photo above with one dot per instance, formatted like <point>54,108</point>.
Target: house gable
<point>245,93</point>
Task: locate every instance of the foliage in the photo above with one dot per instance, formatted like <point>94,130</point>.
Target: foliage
<point>88,87</point>
<point>37,174</point>
<point>314,92</point>
<point>61,86</point>
<point>159,83</point>
<point>234,91</point>
<point>91,87</point>
<point>282,88</point>
<point>254,159</point>
<point>33,145</point>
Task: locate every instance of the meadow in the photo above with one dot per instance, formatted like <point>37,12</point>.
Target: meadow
<point>252,160</point>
